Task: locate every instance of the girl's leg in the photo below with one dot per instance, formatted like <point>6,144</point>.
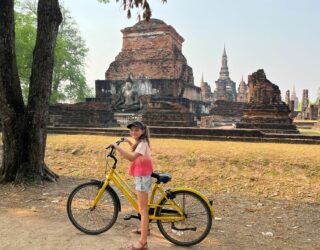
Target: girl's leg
<point>143,209</point>
<point>143,185</point>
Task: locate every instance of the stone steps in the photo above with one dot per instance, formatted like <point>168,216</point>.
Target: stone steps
<point>191,133</point>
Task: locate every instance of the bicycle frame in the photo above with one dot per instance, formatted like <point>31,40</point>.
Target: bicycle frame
<point>114,177</point>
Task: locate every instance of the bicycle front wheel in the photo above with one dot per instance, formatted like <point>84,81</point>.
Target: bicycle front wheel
<point>92,220</point>
<point>198,219</point>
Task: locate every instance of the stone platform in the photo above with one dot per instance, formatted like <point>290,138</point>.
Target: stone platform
<point>271,118</point>
<point>223,113</point>
<point>270,127</point>
<point>82,115</point>
<point>242,135</point>
<point>168,114</point>
<point>316,126</point>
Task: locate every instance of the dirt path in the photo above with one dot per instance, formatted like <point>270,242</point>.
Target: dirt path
<point>35,218</point>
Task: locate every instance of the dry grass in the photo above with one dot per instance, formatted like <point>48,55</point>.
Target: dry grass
<point>250,169</point>
<point>309,131</point>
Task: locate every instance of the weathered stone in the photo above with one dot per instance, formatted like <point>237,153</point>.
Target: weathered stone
<point>287,99</point>
<point>168,113</point>
<point>206,93</point>
<point>265,110</point>
<point>313,112</point>
<point>305,99</point>
<point>294,98</point>
<point>81,114</point>
<point>303,113</point>
<point>242,95</point>
<point>223,113</point>
<point>317,125</point>
<point>151,48</point>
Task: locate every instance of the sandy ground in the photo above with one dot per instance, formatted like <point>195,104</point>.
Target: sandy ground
<point>34,217</point>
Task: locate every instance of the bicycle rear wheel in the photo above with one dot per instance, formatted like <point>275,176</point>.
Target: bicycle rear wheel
<point>92,220</point>
<point>198,219</point>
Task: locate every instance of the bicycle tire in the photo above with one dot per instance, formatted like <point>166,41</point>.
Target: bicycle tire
<point>79,204</point>
<point>177,235</point>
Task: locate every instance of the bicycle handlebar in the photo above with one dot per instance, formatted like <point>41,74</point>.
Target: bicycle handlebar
<point>113,148</point>
<point>112,152</point>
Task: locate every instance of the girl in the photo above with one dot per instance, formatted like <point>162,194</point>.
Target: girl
<point>141,169</point>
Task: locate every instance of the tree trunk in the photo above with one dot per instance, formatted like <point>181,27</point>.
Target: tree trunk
<point>24,129</point>
<point>12,107</point>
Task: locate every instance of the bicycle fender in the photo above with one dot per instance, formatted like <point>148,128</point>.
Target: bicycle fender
<point>111,191</point>
<point>209,203</point>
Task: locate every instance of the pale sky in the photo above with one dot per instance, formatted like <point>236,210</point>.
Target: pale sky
<point>280,36</point>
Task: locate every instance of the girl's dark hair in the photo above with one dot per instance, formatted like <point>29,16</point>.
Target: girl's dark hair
<point>144,137</point>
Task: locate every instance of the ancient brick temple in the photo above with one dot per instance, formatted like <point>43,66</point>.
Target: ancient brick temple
<point>150,63</point>
<point>206,94</point>
<point>305,111</point>
<point>151,52</point>
<point>294,98</point>
<point>312,112</point>
<point>153,49</point>
<point>305,103</point>
<point>265,110</point>
<point>242,95</point>
<point>287,98</point>
<point>317,125</point>
<point>227,104</point>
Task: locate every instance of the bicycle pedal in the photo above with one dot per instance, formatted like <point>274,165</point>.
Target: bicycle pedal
<point>127,217</point>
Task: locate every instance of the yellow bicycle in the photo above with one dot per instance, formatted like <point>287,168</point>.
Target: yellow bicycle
<point>183,215</point>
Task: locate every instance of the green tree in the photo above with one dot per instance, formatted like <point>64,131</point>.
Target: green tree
<point>68,81</point>
<point>25,41</point>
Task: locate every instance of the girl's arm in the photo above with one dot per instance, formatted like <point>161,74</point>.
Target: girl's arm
<point>131,156</point>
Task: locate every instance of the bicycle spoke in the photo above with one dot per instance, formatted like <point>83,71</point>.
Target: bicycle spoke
<point>95,220</point>
<point>197,224</point>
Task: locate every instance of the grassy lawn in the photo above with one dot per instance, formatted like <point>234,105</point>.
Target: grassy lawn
<point>309,131</point>
<point>251,169</point>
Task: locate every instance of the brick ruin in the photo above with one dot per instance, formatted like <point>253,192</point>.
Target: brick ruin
<point>265,110</point>
<point>294,98</point>
<point>81,115</point>
<point>317,125</point>
<point>223,113</point>
<point>309,111</point>
<point>287,98</point>
<point>151,80</point>
<point>206,93</point>
<point>151,63</point>
<point>242,95</point>
<point>168,114</point>
<point>312,112</point>
<point>153,49</point>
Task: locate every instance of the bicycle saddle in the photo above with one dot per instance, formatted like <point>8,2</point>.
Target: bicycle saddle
<point>164,178</point>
